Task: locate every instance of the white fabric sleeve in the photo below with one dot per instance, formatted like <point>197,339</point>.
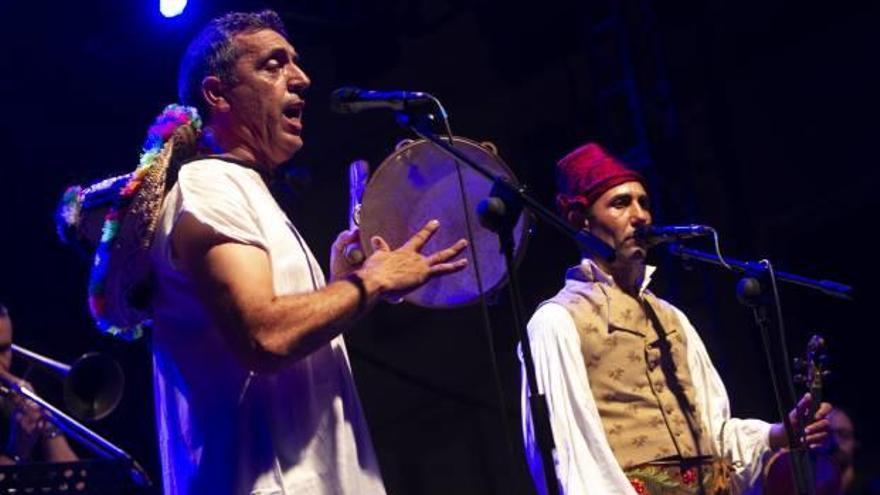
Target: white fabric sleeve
<point>220,195</point>
<point>585,463</point>
<point>743,441</point>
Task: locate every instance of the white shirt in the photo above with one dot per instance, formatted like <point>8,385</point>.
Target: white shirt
<point>222,428</point>
<point>585,463</point>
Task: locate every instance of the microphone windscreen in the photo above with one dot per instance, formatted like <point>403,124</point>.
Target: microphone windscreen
<point>340,98</point>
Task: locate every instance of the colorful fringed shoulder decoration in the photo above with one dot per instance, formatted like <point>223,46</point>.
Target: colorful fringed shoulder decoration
<point>117,193</point>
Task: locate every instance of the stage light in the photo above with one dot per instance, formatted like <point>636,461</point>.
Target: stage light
<point>171,8</point>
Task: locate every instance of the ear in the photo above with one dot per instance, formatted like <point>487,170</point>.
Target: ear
<point>577,218</point>
<point>213,91</point>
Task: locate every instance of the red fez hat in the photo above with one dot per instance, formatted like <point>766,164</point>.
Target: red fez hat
<point>586,173</point>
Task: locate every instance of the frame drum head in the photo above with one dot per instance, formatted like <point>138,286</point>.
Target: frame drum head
<point>419,182</point>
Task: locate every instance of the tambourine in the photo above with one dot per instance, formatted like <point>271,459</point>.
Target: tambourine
<point>419,182</point>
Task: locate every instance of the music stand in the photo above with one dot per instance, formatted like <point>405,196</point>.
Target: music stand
<point>91,477</point>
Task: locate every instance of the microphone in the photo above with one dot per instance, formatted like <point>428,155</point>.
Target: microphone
<point>358,173</point>
<point>652,235</point>
<point>354,100</point>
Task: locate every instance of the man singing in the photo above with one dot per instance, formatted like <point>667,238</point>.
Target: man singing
<point>253,388</point>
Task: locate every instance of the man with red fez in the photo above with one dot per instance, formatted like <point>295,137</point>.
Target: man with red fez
<point>636,406</point>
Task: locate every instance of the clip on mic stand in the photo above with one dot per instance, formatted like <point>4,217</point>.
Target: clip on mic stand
<point>751,293</point>
<point>499,213</point>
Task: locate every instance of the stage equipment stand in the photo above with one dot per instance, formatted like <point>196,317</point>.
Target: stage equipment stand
<point>752,292</point>
<point>88,477</point>
<point>499,213</point>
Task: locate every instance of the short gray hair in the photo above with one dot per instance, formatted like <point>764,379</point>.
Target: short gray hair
<point>212,53</point>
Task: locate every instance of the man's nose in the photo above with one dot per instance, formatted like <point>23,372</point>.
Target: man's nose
<point>640,215</point>
<point>298,80</point>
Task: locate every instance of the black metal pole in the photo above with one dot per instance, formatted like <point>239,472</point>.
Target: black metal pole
<point>801,469</point>
<point>499,213</point>
<point>537,401</point>
<point>751,293</point>
<point>511,200</point>
<point>827,287</point>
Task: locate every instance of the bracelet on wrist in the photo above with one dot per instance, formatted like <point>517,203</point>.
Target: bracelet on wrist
<point>358,282</point>
<point>50,431</point>
<point>17,459</point>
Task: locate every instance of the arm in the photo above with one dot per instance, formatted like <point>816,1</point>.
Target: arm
<point>235,282</point>
<point>28,429</point>
<point>25,426</point>
<point>584,460</point>
<point>55,446</point>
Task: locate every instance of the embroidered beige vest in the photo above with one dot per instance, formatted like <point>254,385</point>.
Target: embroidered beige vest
<point>637,372</point>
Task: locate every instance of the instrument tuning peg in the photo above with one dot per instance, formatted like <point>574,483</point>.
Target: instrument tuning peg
<point>824,360</point>
<point>799,379</point>
<point>799,364</point>
<point>825,373</point>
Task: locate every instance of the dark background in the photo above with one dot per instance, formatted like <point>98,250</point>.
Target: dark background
<point>756,117</point>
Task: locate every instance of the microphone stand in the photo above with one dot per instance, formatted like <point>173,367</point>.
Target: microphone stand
<point>827,287</point>
<point>74,429</point>
<point>751,293</point>
<point>499,213</point>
